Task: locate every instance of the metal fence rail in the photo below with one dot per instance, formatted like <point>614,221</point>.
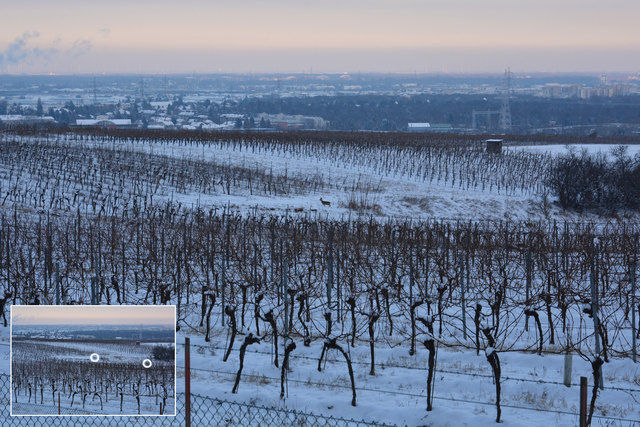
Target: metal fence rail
<point>205,411</point>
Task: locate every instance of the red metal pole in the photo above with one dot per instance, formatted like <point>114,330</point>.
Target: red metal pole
<point>187,382</point>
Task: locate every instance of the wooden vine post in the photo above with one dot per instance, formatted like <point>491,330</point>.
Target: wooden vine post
<point>327,314</point>
<point>187,382</point>
<point>593,274</point>
<point>632,275</point>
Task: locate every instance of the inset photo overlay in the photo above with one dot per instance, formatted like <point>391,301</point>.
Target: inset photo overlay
<point>93,360</point>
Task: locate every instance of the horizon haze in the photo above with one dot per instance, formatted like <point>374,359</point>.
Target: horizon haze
<point>164,37</point>
<point>31,315</point>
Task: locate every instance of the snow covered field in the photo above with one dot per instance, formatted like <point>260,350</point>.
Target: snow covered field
<point>117,361</point>
<point>556,149</point>
<point>442,184</point>
<point>372,185</point>
<point>533,389</point>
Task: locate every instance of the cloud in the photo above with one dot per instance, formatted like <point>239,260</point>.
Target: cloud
<point>80,47</point>
<point>105,32</point>
<point>18,52</point>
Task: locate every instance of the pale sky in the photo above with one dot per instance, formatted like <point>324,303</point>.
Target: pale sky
<point>92,315</point>
<point>161,36</point>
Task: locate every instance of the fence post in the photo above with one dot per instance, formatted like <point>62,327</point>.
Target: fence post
<point>93,291</point>
<point>568,365</point>
<point>527,264</point>
<point>58,402</point>
<point>223,286</point>
<point>57,283</point>
<point>463,296</point>
<point>593,276</point>
<point>187,382</point>
<point>583,401</point>
<point>329,270</point>
<point>338,290</point>
<point>632,273</point>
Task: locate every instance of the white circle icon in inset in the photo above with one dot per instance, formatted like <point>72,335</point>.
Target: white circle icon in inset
<point>94,357</point>
<point>146,363</point>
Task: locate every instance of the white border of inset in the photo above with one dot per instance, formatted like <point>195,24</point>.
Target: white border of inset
<point>175,367</point>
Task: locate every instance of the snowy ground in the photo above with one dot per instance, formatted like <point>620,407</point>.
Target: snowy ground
<point>50,350</point>
<point>393,194</point>
<point>398,195</point>
<point>532,394</point>
<point>558,149</point>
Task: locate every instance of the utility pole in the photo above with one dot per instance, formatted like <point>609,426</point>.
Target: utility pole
<point>505,110</point>
<point>165,85</point>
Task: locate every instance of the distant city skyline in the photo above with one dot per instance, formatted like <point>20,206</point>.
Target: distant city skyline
<point>27,315</point>
<point>463,36</point>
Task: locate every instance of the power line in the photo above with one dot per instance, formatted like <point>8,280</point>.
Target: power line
<point>447,371</point>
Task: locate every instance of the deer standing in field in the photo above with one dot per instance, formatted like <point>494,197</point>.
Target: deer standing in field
<point>325,202</point>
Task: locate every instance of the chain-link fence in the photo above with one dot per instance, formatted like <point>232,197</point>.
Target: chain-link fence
<point>205,411</point>
<point>224,413</point>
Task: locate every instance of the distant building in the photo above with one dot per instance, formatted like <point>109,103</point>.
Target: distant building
<point>285,125</point>
<point>441,127</point>
<point>563,91</point>
<point>494,146</point>
<point>428,127</point>
<point>105,123</point>
<point>293,122</point>
<point>231,116</point>
<point>10,121</point>
<point>419,127</point>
